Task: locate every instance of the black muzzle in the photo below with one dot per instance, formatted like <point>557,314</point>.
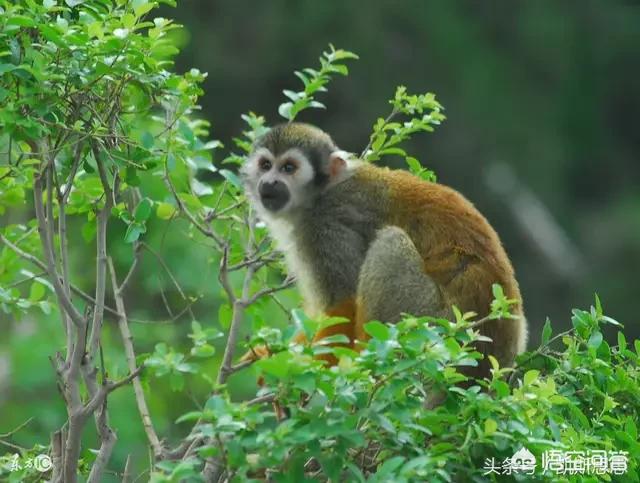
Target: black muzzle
<point>274,195</point>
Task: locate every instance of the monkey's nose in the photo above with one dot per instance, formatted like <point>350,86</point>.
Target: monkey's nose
<point>274,195</point>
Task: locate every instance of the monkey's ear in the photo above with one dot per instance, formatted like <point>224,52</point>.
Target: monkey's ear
<point>337,164</point>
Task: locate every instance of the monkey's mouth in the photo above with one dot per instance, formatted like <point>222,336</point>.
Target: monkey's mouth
<point>274,196</point>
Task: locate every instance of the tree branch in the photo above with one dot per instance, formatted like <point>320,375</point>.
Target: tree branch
<point>105,434</point>
<point>101,253</point>
<point>127,340</point>
<point>288,282</point>
<point>47,249</point>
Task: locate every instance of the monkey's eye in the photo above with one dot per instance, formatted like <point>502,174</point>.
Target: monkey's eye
<point>264,164</point>
<point>289,167</point>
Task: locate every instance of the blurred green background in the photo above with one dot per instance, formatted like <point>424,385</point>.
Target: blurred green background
<point>542,105</point>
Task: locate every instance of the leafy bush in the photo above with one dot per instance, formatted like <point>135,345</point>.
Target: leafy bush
<point>368,418</point>
<point>100,135</point>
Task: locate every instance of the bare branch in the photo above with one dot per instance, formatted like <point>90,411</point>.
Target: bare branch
<point>57,442</point>
<point>101,255</point>
<point>223,274</point>
<point>66,276</point>
<point>260,261</point>
<point>267,398</point>
<point>108,440</point>
<point>132,269</point>
<point>288,282</point>
<point>127,340</point>
<point>105,434</point>
<point>107,388</point>
<point>214,468</point>
<point>25,280</point>
<point>14,431</point>
<point>126,475</point>
<point>74,170</point>
<point>241,365</point>
<point>47,249</point>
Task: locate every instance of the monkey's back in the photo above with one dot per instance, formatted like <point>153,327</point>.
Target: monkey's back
<point>459,248</point>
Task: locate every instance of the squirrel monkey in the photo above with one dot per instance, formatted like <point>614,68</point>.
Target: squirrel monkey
<point>370,243</point>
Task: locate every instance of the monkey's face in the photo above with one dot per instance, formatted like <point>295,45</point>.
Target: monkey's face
<point>279,183</point>
<point>290,166</point>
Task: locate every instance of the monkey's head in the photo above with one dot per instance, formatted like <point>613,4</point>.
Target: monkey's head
<point>289,166</point>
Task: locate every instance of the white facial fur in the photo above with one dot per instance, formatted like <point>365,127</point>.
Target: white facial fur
<point>280,226</point>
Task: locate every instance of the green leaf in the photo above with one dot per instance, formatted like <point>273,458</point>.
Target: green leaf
<point>20,20</point>
<point>530,376</point>
<point>377,330</point>
<point>143,210</point>
<point>276,365</point>
<point>37,291</point>
<point>45,307</point>
<point>285,110</point>
<point>7,68</point>
<point>232,178</point>
<point>165,211</point>
<point>204,350</point>
<point>595,340</point>
<point>490,426</point>
<point>546,331</point>
<point>133,232</point>
<point>622,342</point>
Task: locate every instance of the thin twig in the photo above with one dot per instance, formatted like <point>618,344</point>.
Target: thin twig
<point>72,174</point>
<point>14,431</point>
<point>126,475</point>
<point>134,266</point>
<point>208,232</point>
<point>25,280</point>
<point>267,398</point>
<point>127,340</point>
<point>394,113</point>
<point>170,274</point>
<point>289,281</point>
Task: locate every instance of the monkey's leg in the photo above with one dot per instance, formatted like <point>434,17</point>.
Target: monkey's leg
<point>392,281</point>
